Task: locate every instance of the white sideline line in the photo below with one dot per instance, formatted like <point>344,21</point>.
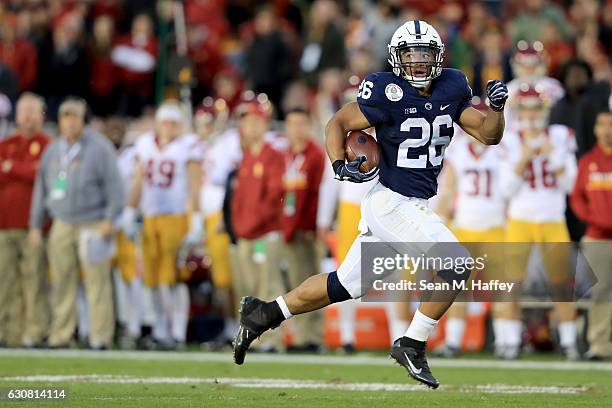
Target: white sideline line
<point>305,359</point>
<point>295,384</point>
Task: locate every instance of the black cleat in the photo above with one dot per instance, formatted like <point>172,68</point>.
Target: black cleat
<point>412,358</point>
<point>254,321</point>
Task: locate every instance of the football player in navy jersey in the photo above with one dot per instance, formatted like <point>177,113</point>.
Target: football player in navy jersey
<point>413,110</point>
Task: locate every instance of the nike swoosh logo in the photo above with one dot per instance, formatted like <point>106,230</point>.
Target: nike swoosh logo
<point>412,367</point>
<point>444,107</point>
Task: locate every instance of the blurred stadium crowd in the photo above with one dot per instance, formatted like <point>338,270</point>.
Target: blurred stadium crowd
<point>246,173</point>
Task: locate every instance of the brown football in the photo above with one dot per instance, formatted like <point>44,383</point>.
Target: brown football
<point>359,143</point>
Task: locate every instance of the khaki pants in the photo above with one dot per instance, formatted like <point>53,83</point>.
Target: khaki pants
<point>66,266</point>
<point>258,274</point>
<point>302,259</point>
<point>598,254</point>
<point>23,299</point>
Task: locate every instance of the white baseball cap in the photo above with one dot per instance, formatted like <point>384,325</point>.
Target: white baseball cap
<point>169,112</point>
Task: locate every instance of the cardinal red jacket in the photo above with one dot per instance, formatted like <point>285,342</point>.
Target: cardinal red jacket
<point>257,198</point>
<point>591,199</point>
<point>303,174</point>
<point>17,180</point>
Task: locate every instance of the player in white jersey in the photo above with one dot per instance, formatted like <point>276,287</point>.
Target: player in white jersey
<point>529,66</point>
<point>472,201</point>
<point>539,171</point>
<point>221,153</point>
<point>129,283</point>
<point>166,188</point>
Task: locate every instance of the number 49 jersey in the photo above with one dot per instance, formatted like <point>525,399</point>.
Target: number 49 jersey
<point>165,185</point>
<point>413,130</point>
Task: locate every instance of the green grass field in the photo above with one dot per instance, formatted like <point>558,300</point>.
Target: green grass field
<point>192,379</point>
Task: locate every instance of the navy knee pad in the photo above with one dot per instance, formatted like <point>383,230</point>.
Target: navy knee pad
<point>335,291</point>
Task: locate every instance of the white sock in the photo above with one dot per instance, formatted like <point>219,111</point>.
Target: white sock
<point>455,327</point>
<point>121,297</point>
<point>283,307</point>
<point>135,307</point>
<point>567,334</point>
<point>147,304</point>
<point>162,304</point>
<point>420,327</point>
<point>346,318</point>
<point>82,309</point>
<point>397,328</point>
<point>499,328</point>
<point>513,332</point>
<point>180,312</point>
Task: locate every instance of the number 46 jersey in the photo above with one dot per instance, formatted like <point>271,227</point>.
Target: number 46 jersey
<point>413,130</point>
<point>538,195</point>
<point>165,184</point>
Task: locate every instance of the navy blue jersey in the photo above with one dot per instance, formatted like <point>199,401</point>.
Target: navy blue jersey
<point>413,130</point>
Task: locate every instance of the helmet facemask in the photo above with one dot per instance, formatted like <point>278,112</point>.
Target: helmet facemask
<point>417,63</point>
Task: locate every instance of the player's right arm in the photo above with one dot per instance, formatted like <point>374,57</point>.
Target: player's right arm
<point>134,197</point>
<point>348,118</point>
<point>129,223</point>
<point>527,154</point>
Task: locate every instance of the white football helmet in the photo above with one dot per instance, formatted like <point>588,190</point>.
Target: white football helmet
<point>416,39</point>
<point>533,107</point>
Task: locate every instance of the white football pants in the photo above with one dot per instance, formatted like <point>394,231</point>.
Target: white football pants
<point>405,224</point>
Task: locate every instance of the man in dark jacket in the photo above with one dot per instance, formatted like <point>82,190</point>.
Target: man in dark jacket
<point>576,77</point>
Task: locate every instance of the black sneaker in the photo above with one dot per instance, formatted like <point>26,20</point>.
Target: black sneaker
<point>411,356</point>
<point>254,321</point>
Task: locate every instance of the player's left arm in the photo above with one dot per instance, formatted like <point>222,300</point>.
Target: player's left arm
<point>195,235</point>
<point>562,157</point>
<point>194,175</point>
<point>487,128</point>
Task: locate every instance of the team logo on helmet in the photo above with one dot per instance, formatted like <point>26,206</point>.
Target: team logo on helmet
<point>394,92</point>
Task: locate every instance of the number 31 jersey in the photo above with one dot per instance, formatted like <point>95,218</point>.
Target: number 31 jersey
<point>413,130</point>
<point>479,201</point>
<point>165,184</point>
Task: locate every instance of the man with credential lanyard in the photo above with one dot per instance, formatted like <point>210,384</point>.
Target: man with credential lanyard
<point>79,187</point>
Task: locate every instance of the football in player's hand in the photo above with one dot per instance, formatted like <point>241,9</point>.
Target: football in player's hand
<point>359,143</point>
